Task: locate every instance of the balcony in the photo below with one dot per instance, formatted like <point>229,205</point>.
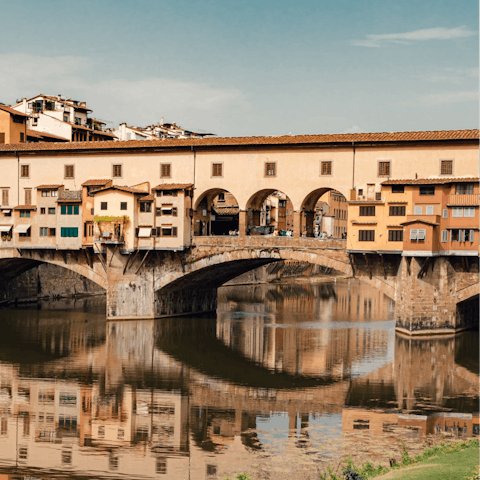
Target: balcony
<point>108,238</point>
<point>463,200</point>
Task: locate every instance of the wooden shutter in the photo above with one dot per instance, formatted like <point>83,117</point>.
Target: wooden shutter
<point>326,168</point>
<point>69,171</point>
<point>383,169</point>
<point>25,170</point>
<point>154,232</point>
<point>165,170</point>
<point>158,212</point>
<point>117,170</point>
<point>175,211</point>
<point>4,197</point>
<point>270,170</point>
<point>28,196</point>
<point>174,231</point>
<point>217,169</point>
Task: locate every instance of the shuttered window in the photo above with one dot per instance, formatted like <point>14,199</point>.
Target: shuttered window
<point>471,235</point>
<point>383,169</point>
<point>464,189</point>
<point>429,210</point>
<point>25,171</point>
<point>117,171</point>
<point>217,169</point>
<point>326,168</point>
<point>69,232</point>
<point>366,235</point>
<point>28,196</point>
<point>165,170</point>
<point>418,234</point>
<point>417,210</point>
<point>445,213</point>
<point>397,211</point>
<point>446,167</point>
<point>5,197</point>
<point>69,171</point>
<point>145,207</point>
<point>367,211</point>
<point>270,169</point>
<point>444,236</point>
<point>395,235</point>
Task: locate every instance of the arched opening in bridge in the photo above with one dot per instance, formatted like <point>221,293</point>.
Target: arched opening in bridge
<point>270,212</point>
<point>216,213</point>
<point>324,214</point>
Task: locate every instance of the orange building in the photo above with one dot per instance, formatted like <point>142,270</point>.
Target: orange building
<point>13,125</point>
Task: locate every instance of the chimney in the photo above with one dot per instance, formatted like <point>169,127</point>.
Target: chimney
<point>24,104</point>
<point>161,121</point>
<point>123,131</point>
<point>59,98</point>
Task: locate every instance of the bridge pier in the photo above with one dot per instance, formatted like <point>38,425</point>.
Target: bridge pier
<point>427,297</point>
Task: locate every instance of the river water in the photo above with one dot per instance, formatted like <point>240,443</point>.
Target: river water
<point>282,381</point>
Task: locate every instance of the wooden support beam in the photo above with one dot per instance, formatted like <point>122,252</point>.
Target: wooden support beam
<point>64,253</point>
<point>87,258</point>
<point>409,261</point>
<point>142,262</point>
<point>41,253</point>
<point>368,265</point>
<point>424,269</point>
<point>352,263</point>
<point>432,261</point>
<point>467,264</point>
<point>19,251</point>
<point>134,257</point>
<point>383,266</point>
<point>113,254</point>
<point>126,263</point>
<point>100,257</point>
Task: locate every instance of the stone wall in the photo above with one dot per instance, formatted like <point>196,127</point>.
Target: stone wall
<point>46,281</point>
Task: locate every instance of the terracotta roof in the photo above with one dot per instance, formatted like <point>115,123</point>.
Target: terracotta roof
<point>354,222</point>
<point>431,181</point>
<point>49,187</point>
<point>226,210</point>
<point>34,133</point>
<point>338,139</point>
<point>25,207</point>
<point>419,220</point>
<point>121,188</point>
<point>95,182</point>
<point>173,186</point>
<point>147,198</point>
<point>9,109</point>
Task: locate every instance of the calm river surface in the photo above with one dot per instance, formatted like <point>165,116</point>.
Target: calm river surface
<point>284,379</point>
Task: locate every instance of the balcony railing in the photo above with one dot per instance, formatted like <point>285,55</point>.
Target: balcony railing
<point>111,239</point>
<point>460,200</point>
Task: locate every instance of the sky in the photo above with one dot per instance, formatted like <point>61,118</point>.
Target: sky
<point>250,67</point>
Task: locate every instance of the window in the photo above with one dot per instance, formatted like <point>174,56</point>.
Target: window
<point>395,235</point>
<point>360,191</point>
<point>116,171</point>
<point>5,197</point>
<point>427,190</point>
<point>24,171</point>
<point>43,232</point>
<point>464,189</point>
<point>24,213</point>
<point>211,470</point>
<point>69,171</point>
<point>51,232</point>
<point>45,193</point>
<point>445,213</point>
<point>383,169</point>
<point>457,212</point>
<point>361,424</point>
<point>22,137</point>
<point>103,206</point>
<point>417,210</point>
<point>326,168</point>
<point>28,196</point>
<point>429,210</point>
<point>161,466</point>
<point>42,211</point>
<point>444,236</point>
<point>54,193</point>
<point>366,235</point>
<point>378,195</point>
<point>397,211</point>
<point>270,170</point>
<point>2,137</point>
<point>23,453</point>
<point>145,207</point>
<point>69,232</point>
<point>123,205</point>
<point>471,235</point>
<point>166,169</point>
<point>469,212</point>
<point>17,119</point>
<point>221,197</point>
<point>217,169</point>
<point>417,234</point>
<point>51,211</point>
<point>168,231</point>
<point>367,211</point>
<point>69,210</point>
<point>78,121</point>
<point>65,118</point>
<point>101,431</point>
<point>446,167</point>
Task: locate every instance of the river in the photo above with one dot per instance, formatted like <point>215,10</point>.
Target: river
<point>282,381</point>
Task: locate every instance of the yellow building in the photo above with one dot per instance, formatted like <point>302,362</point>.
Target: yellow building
<point>13,125</point>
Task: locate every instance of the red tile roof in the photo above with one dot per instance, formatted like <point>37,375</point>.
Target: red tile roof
<point>9,109</point>
<point>419,220</point>
<point>226,210</point>
<point>121,188</point>
<point>95,182</point>
<point>432,181</point>
<point>173,186</point>
<point>35,134</point>
<point>147,198</point>
<point>49,187</point>
<point>25,207</point>
<point>337,139</point>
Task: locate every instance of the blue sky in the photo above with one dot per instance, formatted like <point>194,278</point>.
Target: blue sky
<point>264,67</point>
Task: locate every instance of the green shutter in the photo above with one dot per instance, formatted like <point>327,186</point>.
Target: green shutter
<point>69,209</point>
<point>62,232</point>
<point>75,230</point>
<point>63,212</point>
<point>75,209</point>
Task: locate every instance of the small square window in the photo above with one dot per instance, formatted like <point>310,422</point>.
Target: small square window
<point>446,167</point>
<point>165,170</point>
<point>123,205</point>
<point>24,171</point>
<point>51,232</point>
<point>103,205</point>
<point>217,169</point>
<point>116,171</point>
<point>270,169</point>
<point>42,211</point>
<point>383,169</point>
<point>51,211</point>
<point>326,168</point>
<point>69,171</point>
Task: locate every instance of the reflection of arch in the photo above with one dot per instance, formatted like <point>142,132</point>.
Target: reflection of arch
<point>216,212</point>
<point>336,225</point>
<point>268,210</point>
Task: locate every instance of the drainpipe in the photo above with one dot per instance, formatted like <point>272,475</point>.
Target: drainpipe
<point>353,174</point>
<point>192,224</point>
<point>18,177</point>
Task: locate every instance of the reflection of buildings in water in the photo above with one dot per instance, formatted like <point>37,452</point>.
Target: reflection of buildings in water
<point>312,344</point>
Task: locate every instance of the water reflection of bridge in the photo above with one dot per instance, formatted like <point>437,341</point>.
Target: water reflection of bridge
<point>120,390</point>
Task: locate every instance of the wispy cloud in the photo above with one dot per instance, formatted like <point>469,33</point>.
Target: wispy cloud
<point>451,75</point>
<point>446,98</point>
<point>354,129</point>
<point>407,38</point>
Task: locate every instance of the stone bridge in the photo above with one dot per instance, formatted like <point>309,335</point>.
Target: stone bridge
<point>158,283</point>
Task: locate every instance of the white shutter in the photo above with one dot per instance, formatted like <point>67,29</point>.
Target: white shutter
<point>429,210</point>
<point>469,212</point>
<point>471,235</point>
<point>444,236</point>
<point>457,212</point>
<point>445,213</point>
<point>417,210</point>
<point>422,233</point>
<point>413,234</point>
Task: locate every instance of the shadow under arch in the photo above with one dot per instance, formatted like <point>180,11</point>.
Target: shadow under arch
<point>330,218</point>
<point>216,212</point>
<point>269,210</point>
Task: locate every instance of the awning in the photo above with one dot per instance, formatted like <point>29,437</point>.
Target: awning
<point>5,228</point>
<point>144,232</point>
<point>6,210</point>
<point>21,229</point>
